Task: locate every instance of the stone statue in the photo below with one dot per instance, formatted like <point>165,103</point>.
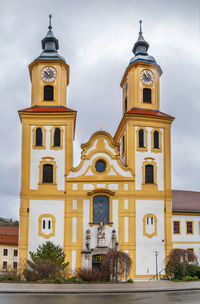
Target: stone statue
<point>101,232</point>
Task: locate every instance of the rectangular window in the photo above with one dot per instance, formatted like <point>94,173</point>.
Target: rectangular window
<point>15,252</point>
<point>43,224</point>
<point>5,264</point>
<point>5,252</point>
<point>14,265</point>
<point>49,224</point>
<point>189,227</point>
<point>177,227</point>
<point>151,220</point>
<point>147,220</point>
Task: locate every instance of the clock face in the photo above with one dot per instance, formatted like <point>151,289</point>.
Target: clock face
<point>48,73</point>
<point>146,76</point>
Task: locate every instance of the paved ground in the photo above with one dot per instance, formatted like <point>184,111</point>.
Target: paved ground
<point>145,286</point>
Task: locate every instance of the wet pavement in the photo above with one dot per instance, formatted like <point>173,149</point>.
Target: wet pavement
<point>186,297</point>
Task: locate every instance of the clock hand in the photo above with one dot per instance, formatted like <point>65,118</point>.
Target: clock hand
<point>47,71</point>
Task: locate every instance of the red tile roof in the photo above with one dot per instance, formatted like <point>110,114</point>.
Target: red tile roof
<point>44,109</point>
<point>185,201</point>
<point>9,235</point>
<point>148,112</point>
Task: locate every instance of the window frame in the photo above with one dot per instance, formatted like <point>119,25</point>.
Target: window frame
<point>145,148</point>
<point>5,250</point>
<point>15,255</point>
<point>40,225</point>
<point>52,92</point>
<point>187,222</point>
<point>145,89</point>
<point>156,150</point>
<point>149,161</point>
<point>43,137</point>
<point>51,161</point>
<point>103,192</point>
<point>179,222</point>
<point>52,147</point>
<point>155,220</point>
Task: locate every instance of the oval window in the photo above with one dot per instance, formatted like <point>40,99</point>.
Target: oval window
<point>100,166</point>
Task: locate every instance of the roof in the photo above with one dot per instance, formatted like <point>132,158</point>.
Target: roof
<point>148,112</point>
<point>9,235</point>
<point>44,109</point>
<point>185,201</point>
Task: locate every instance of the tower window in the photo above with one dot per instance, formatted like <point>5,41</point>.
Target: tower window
<point>125,105</point>
<point>38,137</point>
<point>149,174</point>
<point>48,92</point>
<point>47,176</point>
<point>56,137</point>
<point>141,138</point>
<point>147,95</point>
<point>123,144</point>
<point>156,143</point>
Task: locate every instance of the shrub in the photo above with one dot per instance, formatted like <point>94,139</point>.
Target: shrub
<point>47,263</point>
<point>130,281</point>
<point>116,264</point>
<point>177,262</point>
<point>190,278</point>
<point>10,275</point>
<point>91,275</point>
<point>192,270</point>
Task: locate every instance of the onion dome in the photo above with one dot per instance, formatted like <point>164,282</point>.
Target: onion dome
<point>50,45</point>
<point>140,49</point>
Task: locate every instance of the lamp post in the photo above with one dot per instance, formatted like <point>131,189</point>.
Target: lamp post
<point>156,252</point>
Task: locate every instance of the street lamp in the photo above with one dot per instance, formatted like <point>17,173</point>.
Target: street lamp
<point>156,252</point>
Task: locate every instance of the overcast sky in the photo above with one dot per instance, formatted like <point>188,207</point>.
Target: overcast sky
<point>96,38</point>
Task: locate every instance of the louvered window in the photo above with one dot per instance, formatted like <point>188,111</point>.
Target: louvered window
<point>47,173</point>
<point>38,137</point>
<point>48,93</point>
<point>147,95</point>
<point>141,138</point>
<point>149,174</point>
<point>56,137</point>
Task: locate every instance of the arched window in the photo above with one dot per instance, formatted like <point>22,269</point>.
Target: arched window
<point>100,209</point>
<point>147,95</point>
<point>141,138</point>
<point>149,174</point>
<point>56,137</point>
<point>38,137</point>
<point>123,144</point>
<point>47,176</point>
<point>156,143</point>
<point>48,92</point>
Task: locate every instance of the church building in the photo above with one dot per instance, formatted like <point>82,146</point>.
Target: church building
<point>119,196</point>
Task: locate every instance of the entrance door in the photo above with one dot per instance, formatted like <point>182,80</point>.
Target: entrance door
<point>97,260</point>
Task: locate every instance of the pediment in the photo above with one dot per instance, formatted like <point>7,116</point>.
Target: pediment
<point>100,146</point>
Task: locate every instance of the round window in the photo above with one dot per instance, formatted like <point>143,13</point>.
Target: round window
<point>100,165</point>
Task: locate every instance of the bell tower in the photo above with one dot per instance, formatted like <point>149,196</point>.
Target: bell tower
<point>49,74</point>
<point>141,80</point>
<point>144,135</point>
<point>48,128</point>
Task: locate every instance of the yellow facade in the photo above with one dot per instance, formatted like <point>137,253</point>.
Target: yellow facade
<point>118,182</point>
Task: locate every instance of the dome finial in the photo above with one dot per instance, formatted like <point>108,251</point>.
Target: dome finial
<point>50,27</point>
<point>140,32</point>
